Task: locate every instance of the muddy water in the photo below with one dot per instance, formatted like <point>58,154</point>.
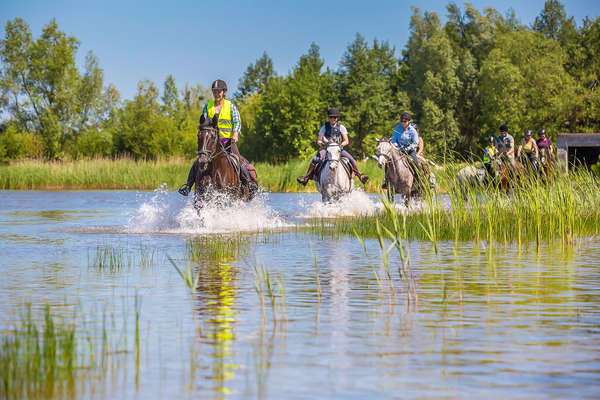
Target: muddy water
<point>493,323</point>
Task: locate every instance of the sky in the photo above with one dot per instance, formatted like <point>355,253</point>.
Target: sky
<point>198,41</point>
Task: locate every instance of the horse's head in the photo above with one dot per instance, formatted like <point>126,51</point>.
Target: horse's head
<point>384,152</point>
<point>334,151</point>
<point>207,146</point>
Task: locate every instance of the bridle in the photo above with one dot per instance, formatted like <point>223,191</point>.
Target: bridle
<point>210,153</point>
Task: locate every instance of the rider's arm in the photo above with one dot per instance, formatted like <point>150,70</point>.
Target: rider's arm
<point>321,136</point>
<point>414,138</point>
<point>344,131</point>
<point>537,151</point>
<point>518,149</point>
<point>344,140</point>
<point>511,149</point>
<point>237,123</point>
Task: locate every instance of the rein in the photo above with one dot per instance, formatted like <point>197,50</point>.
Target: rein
<point>210,154</point>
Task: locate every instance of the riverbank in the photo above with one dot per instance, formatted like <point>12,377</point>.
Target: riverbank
<point>128,174</point>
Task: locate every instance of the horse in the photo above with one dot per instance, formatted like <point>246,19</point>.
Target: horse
<point>218,170</point>
<point>398,171</point>
<point>334,179</point>
<point>547,164</point>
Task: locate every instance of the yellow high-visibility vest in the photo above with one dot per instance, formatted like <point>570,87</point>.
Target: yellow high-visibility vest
<point>225,123</point>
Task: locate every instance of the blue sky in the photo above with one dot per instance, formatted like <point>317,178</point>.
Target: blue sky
<point>200,40</point>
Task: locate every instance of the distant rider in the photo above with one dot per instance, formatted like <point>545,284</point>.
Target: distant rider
<point>505,145</point>
<point>488,156</point>
<point>406,138</point>
<point>529,148</point>
<point>336,132</point>
<point>222,115</point>
<point>544,143</point>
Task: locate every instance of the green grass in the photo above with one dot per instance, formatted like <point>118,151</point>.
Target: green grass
<point>564,210</point>
<point>106,174</point>
<point>56,357</point>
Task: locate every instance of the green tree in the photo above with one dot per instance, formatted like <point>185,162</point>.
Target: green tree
<point>256,77</point>
<point>368,101</point>
<point>42,88</point>
<point>524,84</point>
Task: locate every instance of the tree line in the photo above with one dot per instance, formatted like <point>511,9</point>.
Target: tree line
<point>460,80</point>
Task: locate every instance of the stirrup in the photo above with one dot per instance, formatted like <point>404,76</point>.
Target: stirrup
<point>184,190</point>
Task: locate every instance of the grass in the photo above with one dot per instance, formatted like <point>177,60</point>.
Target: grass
<point>128,174</point>
<point>58,357</point>
<point>563,210</point>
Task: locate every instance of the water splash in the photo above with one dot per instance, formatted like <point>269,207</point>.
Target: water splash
<point>165,212</point>
<point>354,204</point>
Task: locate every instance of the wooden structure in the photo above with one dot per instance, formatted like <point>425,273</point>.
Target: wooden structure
<point>577,148</point>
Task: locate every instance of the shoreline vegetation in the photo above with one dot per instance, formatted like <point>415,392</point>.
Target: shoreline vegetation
<point>129,174</point>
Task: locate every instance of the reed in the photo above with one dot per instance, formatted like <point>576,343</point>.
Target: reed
<point>108,258</point>
<point>56,357</point>
<point>187,275</point>
<point>564,209</point>
<point>214,248</point>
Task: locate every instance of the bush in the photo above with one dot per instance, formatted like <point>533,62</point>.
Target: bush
<point>16,145</point>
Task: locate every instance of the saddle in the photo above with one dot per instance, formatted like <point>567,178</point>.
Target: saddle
<point>344,161</point>
<point>242,167</point>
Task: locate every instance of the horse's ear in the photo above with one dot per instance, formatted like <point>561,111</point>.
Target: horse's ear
<point>377,140</point>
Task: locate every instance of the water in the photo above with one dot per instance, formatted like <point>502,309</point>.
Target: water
<point>493,323</point>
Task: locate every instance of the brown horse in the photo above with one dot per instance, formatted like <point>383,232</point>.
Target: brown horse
<point>218,170</point>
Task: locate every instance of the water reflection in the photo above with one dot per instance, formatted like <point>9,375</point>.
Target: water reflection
<point>215,309</point>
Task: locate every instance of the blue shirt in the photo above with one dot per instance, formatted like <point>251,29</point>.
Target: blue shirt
<point>406,140</point>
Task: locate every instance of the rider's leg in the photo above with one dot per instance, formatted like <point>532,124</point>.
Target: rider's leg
<point>311,169</point>
<point>233,149</point>
<point>416,165</point>
<point>363,178</point>
<point>185,188</point>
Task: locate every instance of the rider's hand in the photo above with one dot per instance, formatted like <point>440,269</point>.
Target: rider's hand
<point>235,136</point>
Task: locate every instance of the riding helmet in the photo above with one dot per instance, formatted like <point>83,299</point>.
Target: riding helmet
<point>405,115</point>
<point>542,132</point>
<point>333,112</point>
<point>528,132</point>
<point>503,128</point>
<point>491,139</point>
<point>219,84</point>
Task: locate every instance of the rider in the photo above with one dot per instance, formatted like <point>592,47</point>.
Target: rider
<point>222,115</point>
<point>544,142</point>
<point>488,155</point>
<point>406,138</point>
<point>529,147</point>
<point>333,131</point>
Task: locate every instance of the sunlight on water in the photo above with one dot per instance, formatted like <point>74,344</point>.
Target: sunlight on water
<point>167,214</point>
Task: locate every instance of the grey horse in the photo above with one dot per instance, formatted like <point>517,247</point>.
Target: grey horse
<point>398,171</point>
<point>334,180</point>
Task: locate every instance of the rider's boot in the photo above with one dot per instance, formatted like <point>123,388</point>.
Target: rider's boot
<point>362,178</point>
<point>184,189</point>
<point>309,174</point>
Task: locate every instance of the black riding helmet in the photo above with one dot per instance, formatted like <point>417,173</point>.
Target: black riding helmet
<point>219,84</point>
<point>333,112</point>
<point>542,132</point>
<point>491,139</point>
<point>405,116</point>
<point>528,132</point>
<point>503,128</point>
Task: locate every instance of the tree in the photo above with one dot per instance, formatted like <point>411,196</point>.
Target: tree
<point>524,84</point>
<point>42,88</point>
<point>256,77</point>
<point>369,104</point>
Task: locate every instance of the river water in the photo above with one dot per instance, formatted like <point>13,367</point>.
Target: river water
<point>489,323</point>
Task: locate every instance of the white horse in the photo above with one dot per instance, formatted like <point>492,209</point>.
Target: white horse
<point>334,179</point>
<point>398,171</point>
